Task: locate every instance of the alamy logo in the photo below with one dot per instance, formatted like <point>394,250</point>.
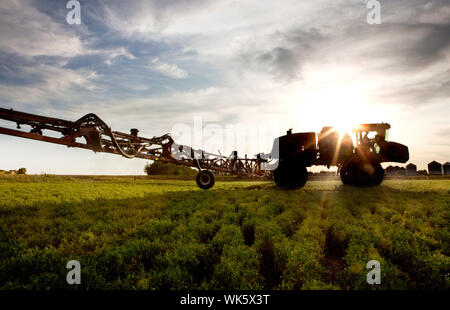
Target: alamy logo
<point>374,275</point>
<point>74,15</point>
<point>74,275</point>
<point>374,15</point>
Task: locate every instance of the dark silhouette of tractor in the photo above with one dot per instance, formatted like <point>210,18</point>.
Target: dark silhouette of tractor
<point>358,160</point>
<point>358,164</point>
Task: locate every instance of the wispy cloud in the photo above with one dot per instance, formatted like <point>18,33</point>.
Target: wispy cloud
<point>29,32</point>
<point>170,70</point>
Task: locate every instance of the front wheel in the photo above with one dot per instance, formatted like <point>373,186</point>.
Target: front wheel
<point>378,176</point>
<point>362,173</point>
<point>205,179</point>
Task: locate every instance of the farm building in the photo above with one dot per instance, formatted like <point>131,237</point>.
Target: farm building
<point>411,169</point>
<point>446,167</point>
<point>435,168</point>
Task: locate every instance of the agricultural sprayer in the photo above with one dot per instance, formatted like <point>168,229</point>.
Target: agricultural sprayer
<point>358,159</point>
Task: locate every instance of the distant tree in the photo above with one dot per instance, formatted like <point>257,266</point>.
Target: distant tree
<point>22,171</point>
<point>395,170</point>
<point>161,168</point>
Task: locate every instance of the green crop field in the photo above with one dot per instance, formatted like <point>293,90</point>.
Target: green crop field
<point>139,233</point>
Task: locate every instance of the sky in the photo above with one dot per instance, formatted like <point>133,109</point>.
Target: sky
<point>275,65</point>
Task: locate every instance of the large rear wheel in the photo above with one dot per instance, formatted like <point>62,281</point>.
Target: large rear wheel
<point>362,173</point>
<point>346,174</point>
<point>378,175</point>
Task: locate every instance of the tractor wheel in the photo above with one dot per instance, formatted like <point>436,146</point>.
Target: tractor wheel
<point>291,174</point>
<point>205,179</point>
<point>362,173</point>
<point>368,174</point>
<point>378,176</point>
<point>347,176</point>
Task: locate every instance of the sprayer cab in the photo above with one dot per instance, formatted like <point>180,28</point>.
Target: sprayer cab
<point>372,142</point>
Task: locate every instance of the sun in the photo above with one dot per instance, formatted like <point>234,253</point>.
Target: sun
<point>344,109</point>
<point>342,120</point>
<point>344,128</point>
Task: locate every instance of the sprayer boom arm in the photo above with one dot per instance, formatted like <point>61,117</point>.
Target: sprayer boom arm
<point>98,137</point>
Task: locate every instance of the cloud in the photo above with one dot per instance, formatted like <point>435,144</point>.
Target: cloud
<point>156,63</point>
<point>50,88</point>
<point>405,47</point>
<point>284,60</point>
<point>142,19</point>
<point>112,54</point>
<point>170,70</point>
<point>434,89</point>
<point>29,32</point>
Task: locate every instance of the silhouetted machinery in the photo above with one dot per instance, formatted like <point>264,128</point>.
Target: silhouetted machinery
<point>90,132</point>
<point>358,164</point>
<point>358,160</point>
